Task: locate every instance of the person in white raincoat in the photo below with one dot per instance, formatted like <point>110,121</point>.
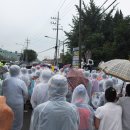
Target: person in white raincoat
<point>24,76</point>
<point>81,99</point>
<point>107,84</point>
<point>15,91</point>
<point>55,114</point>
<point>40,91</point>
<point>6,74</point>
<point>89,87</point>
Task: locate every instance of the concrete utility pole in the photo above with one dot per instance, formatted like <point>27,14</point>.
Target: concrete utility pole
<point>57,33</point>
<point>80,44</point>
<point>27,42</point>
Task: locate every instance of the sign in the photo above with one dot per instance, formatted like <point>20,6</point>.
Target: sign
<point>75,61</point>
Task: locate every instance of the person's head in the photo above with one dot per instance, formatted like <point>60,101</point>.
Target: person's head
<point>94,75</point>
<point>115,81</point>
<point>46,75</point>
<point>29,71</point>
<point>37,74</point>
<point>110,94</point>
<point>6,68</point>
<point>38,67</point>
<point>108,83</point>
<point>86,74</point>
<point>23,70</point>
<point>14,70</point>
<point>128,90</point>
<point>80,95</point>
<point>33,69</point>
<point>58,86</point>
<point>104,76</point>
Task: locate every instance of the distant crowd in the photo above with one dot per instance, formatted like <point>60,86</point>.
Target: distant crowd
<point>63,99</point>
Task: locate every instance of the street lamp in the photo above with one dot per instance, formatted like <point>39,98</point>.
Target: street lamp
<point>50,37</point>
<point>56,47</point>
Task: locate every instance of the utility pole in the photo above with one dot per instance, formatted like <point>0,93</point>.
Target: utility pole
<point>80,44</point>
<point>27,41</point>
<point>57,33</point>
<point>63,48</point>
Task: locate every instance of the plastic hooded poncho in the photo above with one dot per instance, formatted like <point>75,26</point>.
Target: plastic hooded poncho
<point>40,92</point>
<point>81,99</point>
<point>55,114</point>
<point>6,74</point>
<point>107,84</point>
<point>95,84</point>
<point>15,91</point>
<point>37,76</point>
<point>101,83</point>
<point>32,82</point>
<point>24,76</point>
<point>89,87</point>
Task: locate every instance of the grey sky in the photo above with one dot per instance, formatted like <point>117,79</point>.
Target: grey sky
<point>31,18</point>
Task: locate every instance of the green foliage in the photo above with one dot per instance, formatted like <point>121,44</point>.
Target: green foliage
<point>29,56</point>
<point>67,58</point>
<point>106,35</point>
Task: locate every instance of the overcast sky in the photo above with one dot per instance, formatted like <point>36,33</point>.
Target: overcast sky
<point>20,19</point>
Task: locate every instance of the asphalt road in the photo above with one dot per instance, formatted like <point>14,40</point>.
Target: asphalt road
<point>27,118</point>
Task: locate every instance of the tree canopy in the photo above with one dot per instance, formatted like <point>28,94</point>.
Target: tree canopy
<point>29,55</point>
<point>106,35</point>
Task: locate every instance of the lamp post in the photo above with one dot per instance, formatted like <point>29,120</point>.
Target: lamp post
<point>56,47</point>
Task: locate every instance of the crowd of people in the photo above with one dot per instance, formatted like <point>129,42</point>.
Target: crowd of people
<point>66,99</point>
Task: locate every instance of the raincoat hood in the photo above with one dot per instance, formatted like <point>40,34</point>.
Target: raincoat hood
<point>23,70</point>
<point>14,70</point>
<point>58,87</point>
<point>46,75</point>
<point>80,95</point>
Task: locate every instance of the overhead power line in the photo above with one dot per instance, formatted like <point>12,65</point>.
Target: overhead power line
<point>47,49</point>
<point>103,4</point>
<point>62,5</point>
<point>108,7</point>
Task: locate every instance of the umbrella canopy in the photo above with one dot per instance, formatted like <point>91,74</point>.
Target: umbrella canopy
<point>75,77</point>
<point>118,68</point>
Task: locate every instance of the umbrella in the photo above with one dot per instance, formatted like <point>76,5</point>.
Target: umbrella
<point>75,77</point>
<point>118,68</point>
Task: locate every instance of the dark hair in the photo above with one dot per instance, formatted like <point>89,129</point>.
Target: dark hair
<point>110,94</point>
<point>128,90</point>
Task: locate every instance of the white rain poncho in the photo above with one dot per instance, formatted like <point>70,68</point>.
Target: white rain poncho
<point>37,76</point>
<point>24,76</point>
<point>33,70</point>
<point>95,84</point>
<point>89,87</point>
<point>6,74</point>
<point>15,91</point>
<point>55,114</point>
<point>81,99</point>
<point>40,92</point>
<point>107,84</point>
<point>101,83</point>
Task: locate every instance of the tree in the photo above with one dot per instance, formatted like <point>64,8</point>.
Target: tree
<point>28,55</point>
<point>67,58</point>
<point>106,35</point>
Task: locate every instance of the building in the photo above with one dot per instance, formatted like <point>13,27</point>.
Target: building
<point>9,56</point>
